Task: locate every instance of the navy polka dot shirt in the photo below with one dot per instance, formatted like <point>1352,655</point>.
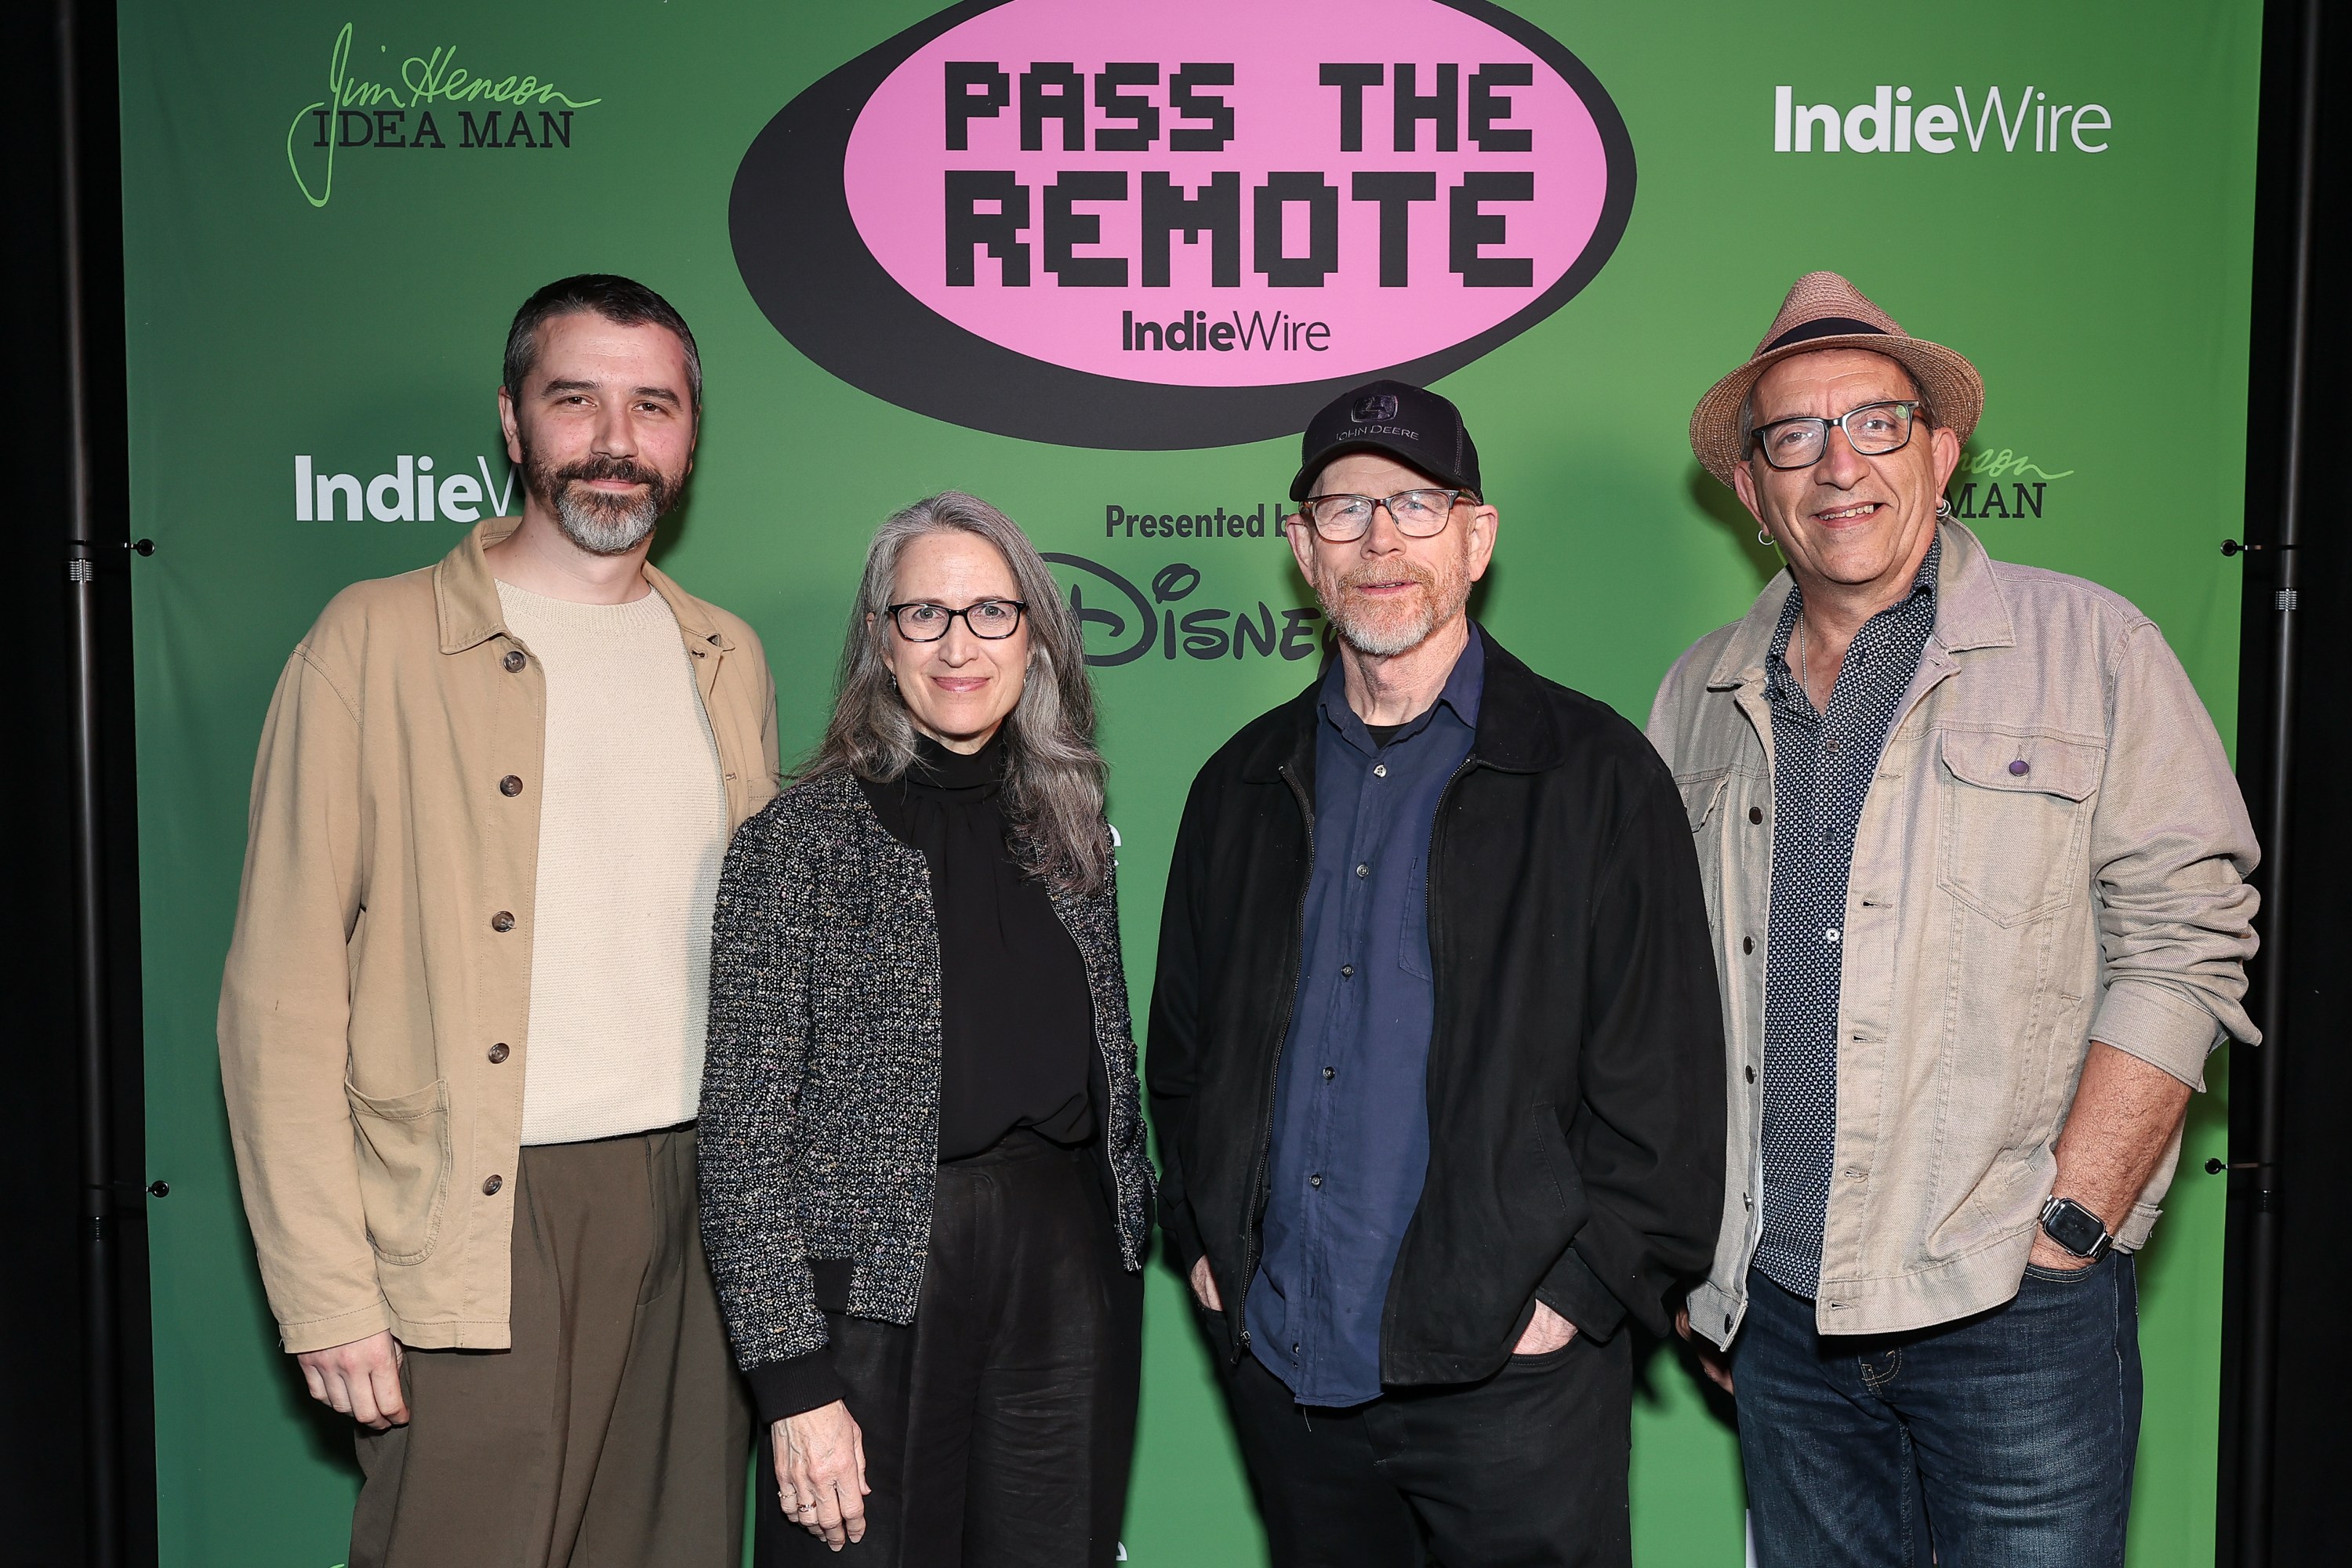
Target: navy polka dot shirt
<point>1822,763</point>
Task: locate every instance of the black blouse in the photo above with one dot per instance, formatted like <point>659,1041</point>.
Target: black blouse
<point>1016,1030</point>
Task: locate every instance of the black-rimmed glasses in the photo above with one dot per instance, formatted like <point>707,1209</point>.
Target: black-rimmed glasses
<point>1874,430</point>
<point>990,620</point>
<point>1344,519</point>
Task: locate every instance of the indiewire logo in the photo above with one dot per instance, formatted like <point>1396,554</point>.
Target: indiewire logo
<point>1888,122</point>
<point>409,493</point>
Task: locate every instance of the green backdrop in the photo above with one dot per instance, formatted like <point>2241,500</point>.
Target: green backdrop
<point>270,318</point>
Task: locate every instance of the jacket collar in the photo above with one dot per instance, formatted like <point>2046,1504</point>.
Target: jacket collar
<point>465,595</point>
<point>1969,612</point>
<point>1515,730</point>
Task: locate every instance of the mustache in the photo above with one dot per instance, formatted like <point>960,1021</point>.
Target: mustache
<point>626,469</point>
<point>1355,577</point>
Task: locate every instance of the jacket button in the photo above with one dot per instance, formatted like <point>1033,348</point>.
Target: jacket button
<point>1362,871</point>
<point>514,660</point>
<point>1330,1073</point>
<point>498,1053</point>
<point>1747,944</point>
<point>1751,1073</point>
<point>491,1186</point>
<point>2019,768</point>
<point>1316,1180</point>
<point>502,920</point>
<point>1755,813</point>
<point>1347,972</point>
<point>510,786</point>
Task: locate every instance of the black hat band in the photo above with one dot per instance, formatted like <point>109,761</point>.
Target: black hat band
<point>1826,327</point>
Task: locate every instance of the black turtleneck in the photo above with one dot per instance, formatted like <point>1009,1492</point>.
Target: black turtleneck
<point>1017,1028</point>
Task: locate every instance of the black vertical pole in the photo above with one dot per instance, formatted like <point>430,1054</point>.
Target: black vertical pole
<point>2258,1373</point>
<point>101,1401</point>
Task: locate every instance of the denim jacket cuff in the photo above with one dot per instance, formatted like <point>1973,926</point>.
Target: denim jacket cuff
<point>2163,1029</point>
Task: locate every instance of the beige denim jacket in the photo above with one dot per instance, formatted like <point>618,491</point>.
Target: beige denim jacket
<point>1998,918</point>
<point>375,1012</point>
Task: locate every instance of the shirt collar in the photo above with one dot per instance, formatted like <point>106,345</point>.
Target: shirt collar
<point>1923,592</point>
<point>1465,684</point>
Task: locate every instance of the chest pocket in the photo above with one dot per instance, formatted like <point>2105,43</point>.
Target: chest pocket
<point>2014,814</point>
<point>1413,924</point>
<point>1703,796</point>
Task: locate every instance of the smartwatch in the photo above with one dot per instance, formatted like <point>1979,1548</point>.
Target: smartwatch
<point>2077,1228</point>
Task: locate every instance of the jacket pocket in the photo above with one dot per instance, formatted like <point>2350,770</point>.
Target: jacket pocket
<point>1558,1164</point>
<point>1702,795</point>
<point>2014,814</point>
<point>404,1157</point>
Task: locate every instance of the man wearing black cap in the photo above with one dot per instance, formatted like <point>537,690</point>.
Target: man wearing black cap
<point>1435,1058</point>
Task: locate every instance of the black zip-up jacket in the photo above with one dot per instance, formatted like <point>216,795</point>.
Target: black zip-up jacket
<point>1576,1068</point>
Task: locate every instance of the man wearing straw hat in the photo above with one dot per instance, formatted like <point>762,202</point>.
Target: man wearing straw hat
<point>1976,869</point>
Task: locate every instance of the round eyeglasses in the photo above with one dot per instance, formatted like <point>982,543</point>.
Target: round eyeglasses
<point>1344,519</point>
<point>992,620</point>
<point>1874,430</point>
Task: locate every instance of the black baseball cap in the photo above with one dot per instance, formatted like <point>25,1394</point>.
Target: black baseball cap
<point>1410,423</point>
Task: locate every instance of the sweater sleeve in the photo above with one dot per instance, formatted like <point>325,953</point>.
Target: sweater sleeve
<point>749,1139</point>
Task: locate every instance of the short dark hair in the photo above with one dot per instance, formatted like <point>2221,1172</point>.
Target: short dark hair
<point>623,301</point>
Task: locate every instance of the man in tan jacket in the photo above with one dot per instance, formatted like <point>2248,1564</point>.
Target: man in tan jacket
<point>1976,866</point>
<point>462,1024</point>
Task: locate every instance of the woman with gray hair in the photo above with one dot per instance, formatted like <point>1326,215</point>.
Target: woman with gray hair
<point>924,1191</point>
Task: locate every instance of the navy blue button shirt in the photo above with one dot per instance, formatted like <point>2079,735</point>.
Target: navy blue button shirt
<point>1351,1111</point>
<point>1823,764</point>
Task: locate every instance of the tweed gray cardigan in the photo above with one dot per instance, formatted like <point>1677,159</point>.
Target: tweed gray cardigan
<point>821,1085</point>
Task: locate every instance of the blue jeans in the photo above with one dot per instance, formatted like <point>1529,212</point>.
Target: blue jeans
<point>2003,1440</point>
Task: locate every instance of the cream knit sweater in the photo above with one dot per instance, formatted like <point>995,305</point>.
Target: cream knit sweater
<point>633,828</point>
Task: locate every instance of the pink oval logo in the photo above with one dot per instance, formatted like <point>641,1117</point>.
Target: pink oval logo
<point>1140,225</point>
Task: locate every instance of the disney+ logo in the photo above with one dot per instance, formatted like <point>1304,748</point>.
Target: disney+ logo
<point>1123,622</point>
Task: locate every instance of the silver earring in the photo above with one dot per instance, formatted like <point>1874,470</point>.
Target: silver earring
<point>1763,537</point>
<point>1943,507</point>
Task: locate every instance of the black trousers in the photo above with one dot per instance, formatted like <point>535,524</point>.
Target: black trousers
<point>998,1425</point>
<point>1525,1469</point>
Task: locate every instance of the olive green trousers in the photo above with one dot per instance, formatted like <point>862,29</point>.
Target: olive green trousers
<point>616,1433</point>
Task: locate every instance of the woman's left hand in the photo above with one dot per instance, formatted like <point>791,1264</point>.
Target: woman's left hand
<point>821,1473</point>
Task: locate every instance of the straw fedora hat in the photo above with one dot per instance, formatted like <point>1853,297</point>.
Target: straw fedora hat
<point>1825,312</point>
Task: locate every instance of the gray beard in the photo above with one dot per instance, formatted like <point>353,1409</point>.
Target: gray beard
<point>1375,641</point>
<point>603,529</point>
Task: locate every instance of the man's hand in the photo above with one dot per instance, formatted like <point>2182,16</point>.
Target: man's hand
<point>2048,1254</point>
<point>821,1473</point>
<point>1204,1286</point>
<point>1546,1333</point>
<point>2124,1118</point>
<point>360,1379</point>
<point>1711,1360</point>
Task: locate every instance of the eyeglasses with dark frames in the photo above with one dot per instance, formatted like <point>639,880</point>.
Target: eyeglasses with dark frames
<point>1344,519</point>
<point>990,620</point>
<point>1872,430</point>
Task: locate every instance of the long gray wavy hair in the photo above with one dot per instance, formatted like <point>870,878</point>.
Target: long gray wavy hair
<point>1054,777</point>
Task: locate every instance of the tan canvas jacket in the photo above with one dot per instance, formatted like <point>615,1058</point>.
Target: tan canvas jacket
<point>375,1013</point>
<point>1998,919</point>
